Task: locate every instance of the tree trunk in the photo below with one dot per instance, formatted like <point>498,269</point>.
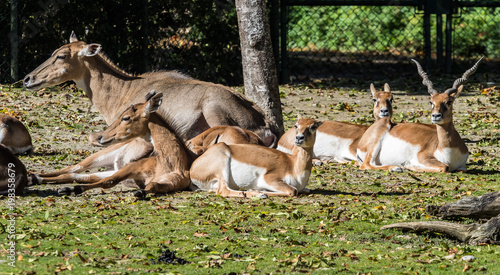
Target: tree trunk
<point>259,67</point>
<point>485,206</point>
<point>14,41</point>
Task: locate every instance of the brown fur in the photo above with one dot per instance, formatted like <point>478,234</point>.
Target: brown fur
<point>13,174</point>
<point>166,171</point>
<point>266,172</point>
<point>327,152</point>
<point>226,134</point>
<point>15,135</point>
<point>192,106</point>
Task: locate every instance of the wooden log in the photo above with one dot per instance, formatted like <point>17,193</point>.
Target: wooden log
<point>485,206</point>
<point>473,234</point>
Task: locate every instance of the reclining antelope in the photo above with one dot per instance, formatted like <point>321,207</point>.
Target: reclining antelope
<point>14,135</point>
<point>116,156</point>
<point>337,141</point>
<point>226,134</point>
<point>416,146</point>
<point>192,107</point>
<point>242,170</point>
<point>13,175</point>
<point>166,170</point>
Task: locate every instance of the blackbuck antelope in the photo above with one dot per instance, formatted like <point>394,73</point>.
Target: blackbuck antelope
<point>111,158</point>
<point>13,174</point>
<point>227,134</point>
<point>416,146</point>
<point>337,141</point>
<point>242,170</point>
<point>14,135</point>
<point>167,170</point>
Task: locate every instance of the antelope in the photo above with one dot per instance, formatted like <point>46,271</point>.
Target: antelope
<point>166,170</point>
<point>226,134</point>
<point>193,106</point>
<point>415,146</point>
<point>13,174</point>
<point>242,170</point>
<point>337,141</point>
<point>14,135</point>
<point>111,158</point>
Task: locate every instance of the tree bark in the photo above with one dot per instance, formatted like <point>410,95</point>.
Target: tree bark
<point>259,67</point>
<point>14,40</point>
<point>485,206</point>
<point>473,234</point>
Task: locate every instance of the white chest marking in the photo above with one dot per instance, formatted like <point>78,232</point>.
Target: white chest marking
<point>455,159</point>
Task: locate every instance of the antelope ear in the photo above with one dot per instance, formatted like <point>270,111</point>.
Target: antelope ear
<point>299,116</point>
<point>317,123</point>
<point>387,89</point>
<point>90,50</point>
<point>372,89</point>
<point>154,103</point>
<point>457,92</point>
<point>72,37</point>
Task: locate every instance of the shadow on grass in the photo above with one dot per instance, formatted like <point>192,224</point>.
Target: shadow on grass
<point>482,172</point>
<point>333,192</point>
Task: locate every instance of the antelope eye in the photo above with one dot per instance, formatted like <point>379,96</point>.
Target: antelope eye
<point>125,118</point>
<point>61,57</point>
<point>295,126</point>
<point>374,99</point>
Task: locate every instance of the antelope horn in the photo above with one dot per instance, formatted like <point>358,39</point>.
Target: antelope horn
<point>425,80</point>
<point>464,77</point>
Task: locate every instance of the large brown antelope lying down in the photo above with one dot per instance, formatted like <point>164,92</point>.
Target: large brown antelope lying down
<point>416,146</point>
<point>242,170</point>
<point>14,135</point>
<point>192,106</point>
<point>226,134</point>
<point>337,141</point>
<point>167,170</point>
<point>13,175</point>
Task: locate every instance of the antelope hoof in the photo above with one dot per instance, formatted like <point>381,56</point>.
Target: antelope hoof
<point>317,162</point>
<point>305,191</point>
<point>263,196</point>
<point>396,169</point>
<point>35,179</point>
<point>68,190</point>
<point>65,191</point>
<point>141,194</point>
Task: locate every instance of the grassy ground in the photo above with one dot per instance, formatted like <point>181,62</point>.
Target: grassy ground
<point>334,229</point>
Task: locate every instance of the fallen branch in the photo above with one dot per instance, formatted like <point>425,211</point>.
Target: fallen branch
<point>472,234</point>
<point>485,206</point>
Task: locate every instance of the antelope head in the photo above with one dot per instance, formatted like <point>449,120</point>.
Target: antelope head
<point>133,122</point>
<point>382,102</point>
<point>305,132</point>
<point>442,103</point>
<point>63,65</point>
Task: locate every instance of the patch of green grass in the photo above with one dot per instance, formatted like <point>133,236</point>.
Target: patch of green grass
<point>334,229</point>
